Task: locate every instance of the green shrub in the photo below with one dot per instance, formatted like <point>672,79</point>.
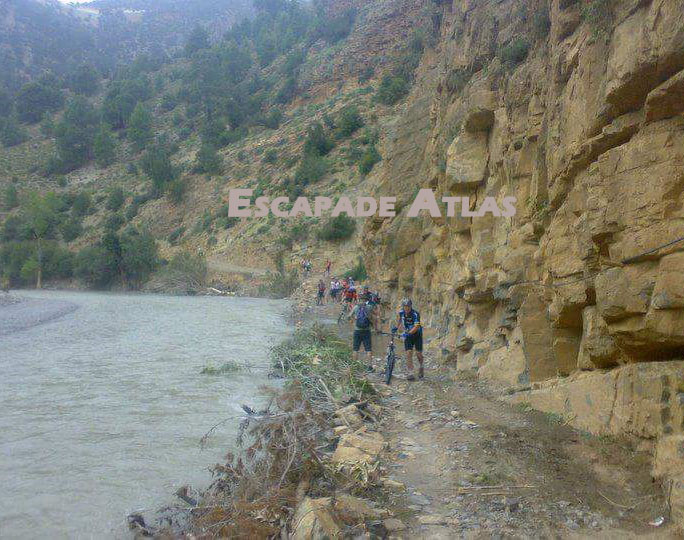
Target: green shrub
<point>139,130</point>
<point>271,156</point>
<point>281,283</point>
<point>132,210</point>
<point>96,266</point>
<point>369,159</point>
<point>358,272</point>
<point>176,191</point>
<point>11,134</point>
<point>366,74</point>
<point>515,52</point>
<point>349,121</point>
<point>82,204</point>
<point>71,229</point>
<point>317,142</point>
<point>10,199</point>
<point>392,89</point>
<point>310,170</point>
<point>115,199</point>
<point>104,146</point>
<point>114,222</point>
<point>208,161</point>
<point>156,164</point>
<point>340,227</point>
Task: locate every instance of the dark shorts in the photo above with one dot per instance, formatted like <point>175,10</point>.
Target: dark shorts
<point>362,336</point>
<point>348,300</point>
<point>320,294</point>
<point>333,293</point>
<point>414,341</point>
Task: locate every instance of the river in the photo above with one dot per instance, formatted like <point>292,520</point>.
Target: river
<point>102,405</point>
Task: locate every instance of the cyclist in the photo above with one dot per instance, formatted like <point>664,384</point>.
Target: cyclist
<point>362,319</point>
<point>409,320</point>
<point>365,294</point>
<point>350,295</point>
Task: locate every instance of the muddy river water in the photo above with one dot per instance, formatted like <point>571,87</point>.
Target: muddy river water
<point>103,403</point>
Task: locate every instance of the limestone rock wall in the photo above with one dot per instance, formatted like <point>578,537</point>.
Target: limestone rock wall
<point>587,131</point>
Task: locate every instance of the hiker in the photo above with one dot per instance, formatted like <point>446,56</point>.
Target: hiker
<point>328,264</point>
<point>409,320</point>
<point>320,299</point>
<point>362,319</point>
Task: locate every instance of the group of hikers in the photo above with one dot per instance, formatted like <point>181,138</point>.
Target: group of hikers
<point>344,291</point>
<point>307,266</point>
<point>364,317</point>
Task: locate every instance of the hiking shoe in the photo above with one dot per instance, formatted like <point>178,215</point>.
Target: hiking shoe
<point>421,372</point>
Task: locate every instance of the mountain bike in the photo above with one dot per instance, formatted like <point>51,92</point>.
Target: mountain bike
<point>344,312</point>
<point>391,357</point>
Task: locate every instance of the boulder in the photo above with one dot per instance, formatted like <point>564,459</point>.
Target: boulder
<point>314,520</point>
<point>668,292</point>
<point>349,416</point>
<point>361,447</point>
<point>667,99</point>
<point>467,159</point>
<point>624,292</point>
<point>597,348</point>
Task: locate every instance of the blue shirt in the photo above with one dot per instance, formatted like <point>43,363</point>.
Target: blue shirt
<point>409,320</point>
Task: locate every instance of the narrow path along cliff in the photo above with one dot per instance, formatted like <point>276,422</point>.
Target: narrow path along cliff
<point>460,461</point>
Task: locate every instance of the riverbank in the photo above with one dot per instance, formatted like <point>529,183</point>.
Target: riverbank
<point>440,458</point>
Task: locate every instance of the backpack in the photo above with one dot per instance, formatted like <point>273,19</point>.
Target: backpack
<point>362,319</point>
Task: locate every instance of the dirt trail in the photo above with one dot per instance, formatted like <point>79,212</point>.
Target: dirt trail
<point>468,465</point>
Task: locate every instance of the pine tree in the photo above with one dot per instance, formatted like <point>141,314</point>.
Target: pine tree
<point>104,147</point>
<point>140,127</point>
<point>74,134</point>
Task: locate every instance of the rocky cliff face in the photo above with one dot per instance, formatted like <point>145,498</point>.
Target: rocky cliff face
<point>579,116</point>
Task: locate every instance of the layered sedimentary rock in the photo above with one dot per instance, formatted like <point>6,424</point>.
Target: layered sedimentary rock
<point>573,301</point>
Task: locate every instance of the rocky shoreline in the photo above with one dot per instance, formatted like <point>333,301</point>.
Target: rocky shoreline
<point>337,454</point>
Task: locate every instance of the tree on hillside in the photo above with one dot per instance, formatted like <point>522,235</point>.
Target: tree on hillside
<point>104,147</point>
<point>96,266</point>
<point>36,98</point>
<point>317,142</point>
<point>11,133</point>
<point>156,164</point>
<point>198,40</point>
<point>74,134</point>
<point>139,257</point>
<point>139,130</point>
<point>40,215</point>
<point>85,80</point>
<point>121,99</point>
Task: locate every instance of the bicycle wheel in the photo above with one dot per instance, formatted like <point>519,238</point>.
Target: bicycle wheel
<point>340,316</point>
<point>390,367</point>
